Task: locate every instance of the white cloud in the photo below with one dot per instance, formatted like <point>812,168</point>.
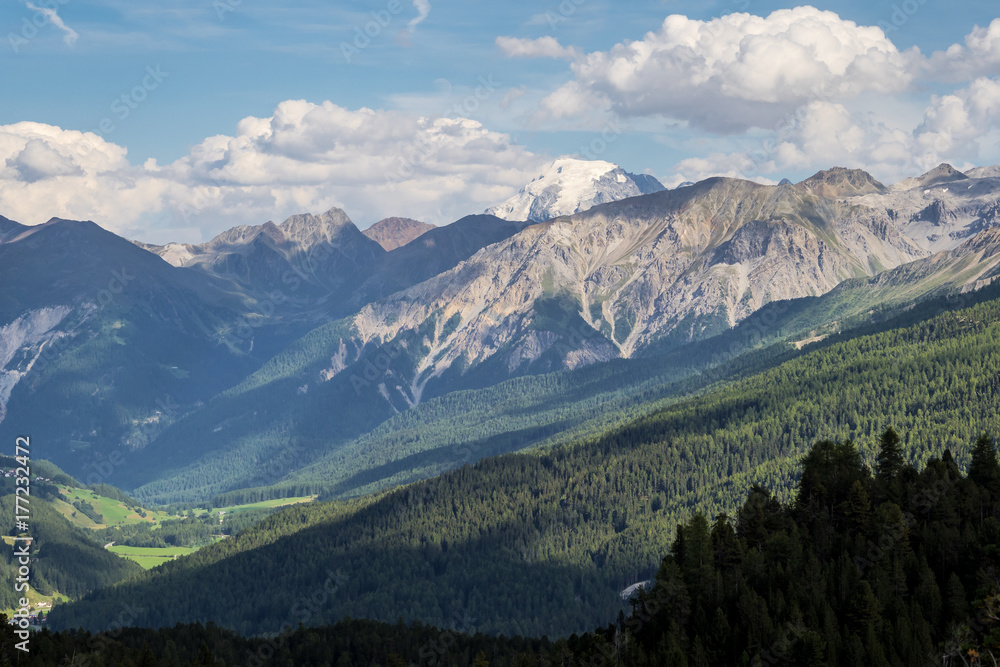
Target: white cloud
<point>69,35</point>
<point>571,100</point>
<point>305,157</point>
<point>543,47</point>
<point>423,8</point>
<point>960,128</point>
<point>959,123</point>
<point>739,71</point>
<point>980,55</point>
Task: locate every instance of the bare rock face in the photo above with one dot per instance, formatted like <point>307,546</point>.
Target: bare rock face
<point>392,233</point>
<point>21,343</point>
<point>612,281</point>
<point>942,209</point>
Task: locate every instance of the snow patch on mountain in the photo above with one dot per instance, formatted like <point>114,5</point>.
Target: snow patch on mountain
<point>569,186</point>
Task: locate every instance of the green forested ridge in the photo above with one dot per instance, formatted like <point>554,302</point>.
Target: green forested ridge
<point>541,543</point>
<point>294,443</point>
<point>893,569</point>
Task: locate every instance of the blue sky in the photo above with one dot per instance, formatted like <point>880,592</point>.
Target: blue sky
<point>448,107</point>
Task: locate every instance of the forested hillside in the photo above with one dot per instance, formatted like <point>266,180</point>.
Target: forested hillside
<point>285,440</point>
<point>888,566</point>
<point>541,543</point>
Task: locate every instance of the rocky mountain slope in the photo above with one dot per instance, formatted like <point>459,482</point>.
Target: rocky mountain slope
<point>102,344</point>
<point>392,233</point>
<point>942,209</point>
<point>680,265</point>
<point>569,186</point>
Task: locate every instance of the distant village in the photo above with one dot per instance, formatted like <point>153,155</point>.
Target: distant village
<point>37,618</point>
<point>13,473</point>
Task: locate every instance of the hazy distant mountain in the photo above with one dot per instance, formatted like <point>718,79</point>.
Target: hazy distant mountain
<point>569,186</point>
<point>392,233</point>
<point>984,172</point>
<point>839,182</point>
<point>433,252</point>
<point>307,263</point>
<point>943,173</point>
<point>103,344</point>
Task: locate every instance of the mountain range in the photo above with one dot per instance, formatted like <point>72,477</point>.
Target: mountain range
<point>283,347</point>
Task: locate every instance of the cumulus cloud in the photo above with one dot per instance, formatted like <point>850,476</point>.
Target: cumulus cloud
<point>796,90</point>
<point>980,55</point>
<point>543,47</point>
<point>959,123</point>
<point>740,71</point>
<point>957,128</point>
<point>69,35</point>
<point>304,157</point>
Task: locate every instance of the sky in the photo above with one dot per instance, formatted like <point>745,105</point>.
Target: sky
<point>177,121</point>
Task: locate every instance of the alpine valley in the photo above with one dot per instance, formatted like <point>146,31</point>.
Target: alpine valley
<point>499,423</point>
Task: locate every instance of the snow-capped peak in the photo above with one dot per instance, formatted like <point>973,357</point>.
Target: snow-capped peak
<point>570,185</point>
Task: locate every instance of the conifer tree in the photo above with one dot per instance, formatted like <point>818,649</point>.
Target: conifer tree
<point>984,469</point>
<point>890,459</point>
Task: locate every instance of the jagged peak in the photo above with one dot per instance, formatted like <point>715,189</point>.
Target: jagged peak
<point>335,217</point>
<point>303,228</point>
